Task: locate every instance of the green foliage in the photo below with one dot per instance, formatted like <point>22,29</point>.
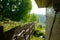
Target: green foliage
<point>15,10</point>
<point>31,18</point>
<point>0,18</point>
<point>39,33</point>
<point>36,38</point>
<point>34,18</point>
<point>26,18</point>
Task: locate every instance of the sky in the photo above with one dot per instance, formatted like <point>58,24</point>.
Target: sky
<point>37,10</point>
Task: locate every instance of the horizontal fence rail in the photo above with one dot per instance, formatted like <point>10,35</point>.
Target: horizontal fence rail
<point>18,33</point>
<point>25,33</point>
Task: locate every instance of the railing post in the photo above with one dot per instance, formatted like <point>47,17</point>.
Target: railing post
<point>15,37</point>
<point>1,33</point>
<point>29,33</point>
<point>25,34</point>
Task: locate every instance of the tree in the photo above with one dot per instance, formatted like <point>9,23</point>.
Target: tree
<point>15,9</point>
<point>34,18</point>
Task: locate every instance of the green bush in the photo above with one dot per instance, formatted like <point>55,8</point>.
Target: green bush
<point>38,31</point>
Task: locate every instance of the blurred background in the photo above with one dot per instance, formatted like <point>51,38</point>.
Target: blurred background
<point>39,29</point>
<point>20,12</point>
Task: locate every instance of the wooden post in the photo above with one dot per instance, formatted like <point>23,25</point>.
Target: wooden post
<point>25,34</point>
<point>1,33</point>
<point>29,33</point>
<point>15,37</point>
